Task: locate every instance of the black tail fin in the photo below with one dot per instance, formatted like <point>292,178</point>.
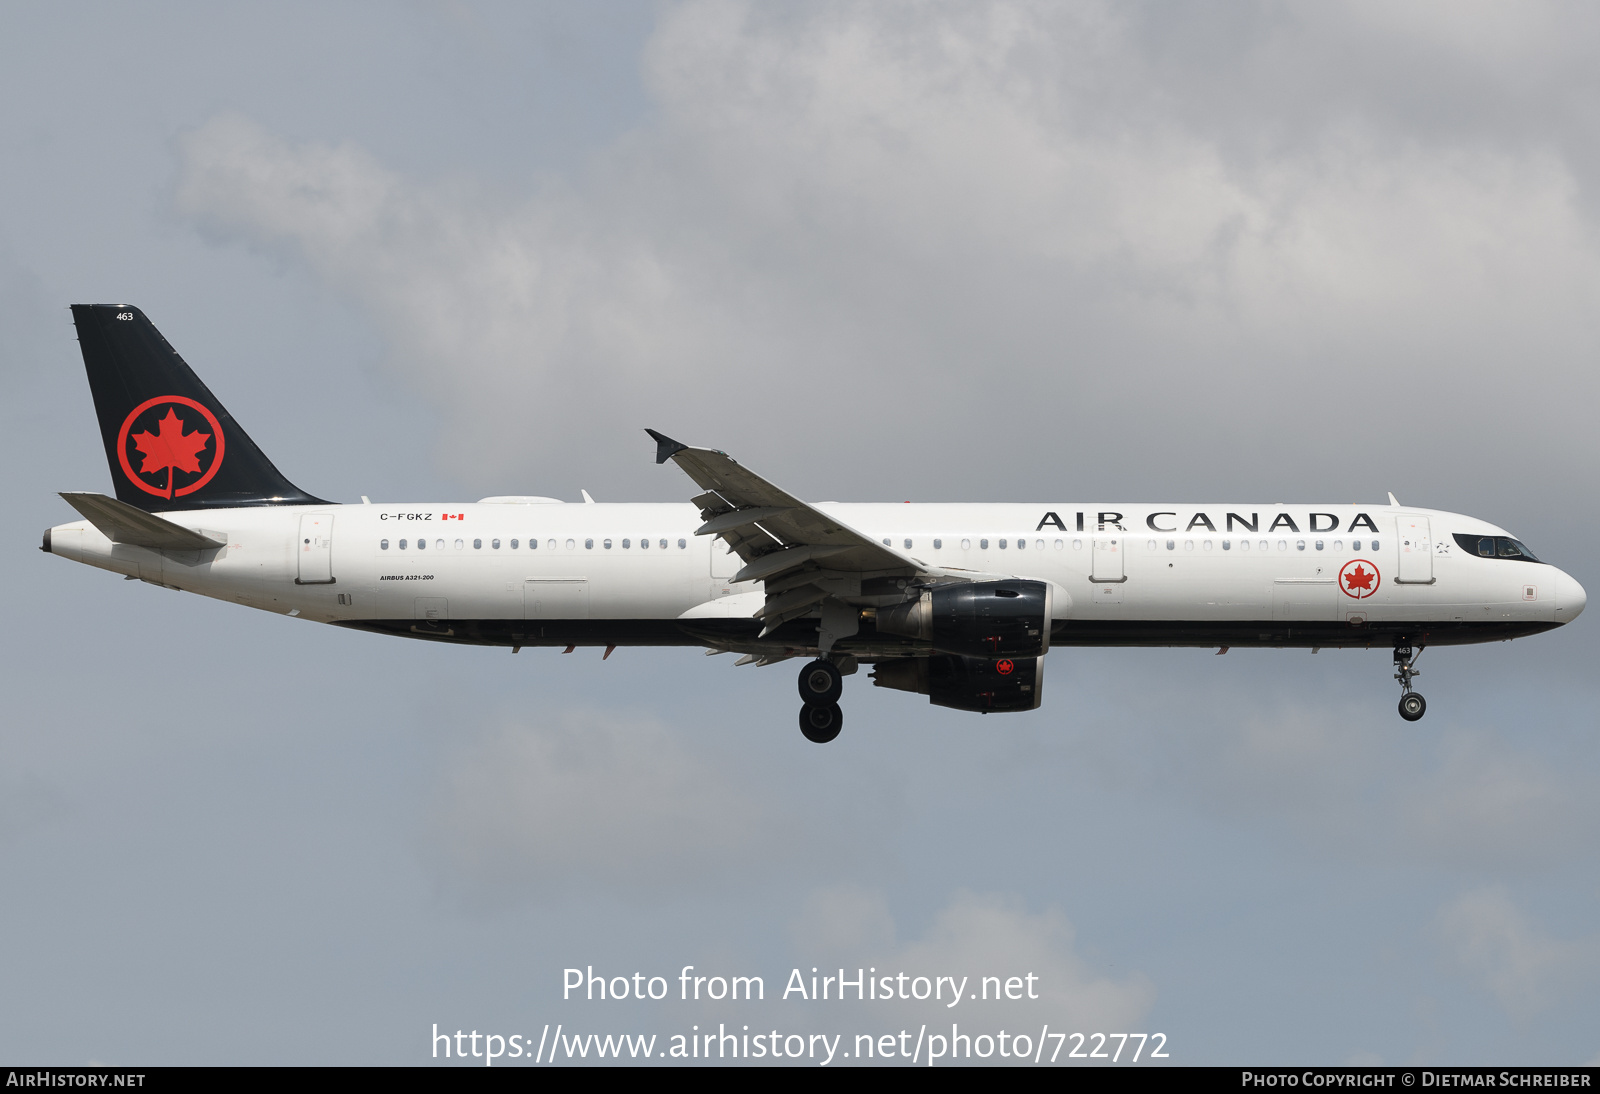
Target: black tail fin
<point>170,443</point>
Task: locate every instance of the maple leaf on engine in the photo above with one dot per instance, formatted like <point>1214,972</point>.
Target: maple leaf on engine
<point>1358,579</point>
<point>170,447</point>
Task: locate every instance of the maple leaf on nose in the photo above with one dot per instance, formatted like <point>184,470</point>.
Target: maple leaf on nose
<point>170,446</point>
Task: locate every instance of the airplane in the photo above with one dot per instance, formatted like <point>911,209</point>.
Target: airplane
<point>957,602</point>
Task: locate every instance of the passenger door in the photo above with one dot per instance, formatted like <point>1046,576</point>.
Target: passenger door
<point>315,550</point>
<point>1416,551</point>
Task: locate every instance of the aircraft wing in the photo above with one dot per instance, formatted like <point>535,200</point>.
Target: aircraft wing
<point>803,554</point>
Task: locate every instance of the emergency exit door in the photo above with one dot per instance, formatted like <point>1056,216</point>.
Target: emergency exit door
<point>1105,567</point>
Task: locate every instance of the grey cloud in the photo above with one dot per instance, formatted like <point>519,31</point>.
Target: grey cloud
<point>843,208</point>
<point>972,936</point>
<point>1496,944</point>
<point>26,804</point>
<point>1335,782</point>
<point>538,805</point>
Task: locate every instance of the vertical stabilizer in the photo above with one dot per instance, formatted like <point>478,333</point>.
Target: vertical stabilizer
<point>170,443</point>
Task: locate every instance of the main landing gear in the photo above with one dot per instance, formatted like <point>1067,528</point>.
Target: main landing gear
<point>821,684</point>
<point>1412,705</point>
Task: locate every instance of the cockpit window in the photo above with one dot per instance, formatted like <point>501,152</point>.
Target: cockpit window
<point>1495,547</point>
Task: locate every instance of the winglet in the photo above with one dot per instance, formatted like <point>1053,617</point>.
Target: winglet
<point>1392,500</point>
<point>666,447</point>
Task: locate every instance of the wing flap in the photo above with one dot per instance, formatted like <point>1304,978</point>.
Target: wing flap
<point>739,518</point>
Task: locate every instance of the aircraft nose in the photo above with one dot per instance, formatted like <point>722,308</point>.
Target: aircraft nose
<point>1570,598</point>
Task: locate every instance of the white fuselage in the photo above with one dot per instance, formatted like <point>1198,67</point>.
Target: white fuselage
<point>1131,574</point>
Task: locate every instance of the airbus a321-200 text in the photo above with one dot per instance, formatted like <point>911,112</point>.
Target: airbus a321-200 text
<point>960,603</point>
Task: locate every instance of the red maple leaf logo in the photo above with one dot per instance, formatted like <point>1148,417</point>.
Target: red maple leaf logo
<point>1358,579</point>
<point>170,448</point>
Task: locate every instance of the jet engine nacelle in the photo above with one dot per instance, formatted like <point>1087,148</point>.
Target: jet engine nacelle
<point>977,618</point>
<point>984,684</point>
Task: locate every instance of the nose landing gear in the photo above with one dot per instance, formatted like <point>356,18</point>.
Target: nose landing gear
<point>1412,705</point>
<point>821,684</point>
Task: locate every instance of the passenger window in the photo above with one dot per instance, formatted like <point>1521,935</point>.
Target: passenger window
<point>1283,545</point>
<point>1188,545</point>
<point>624,545</point>
<point>1206,544</point>
<point>1355,545</point>
<point>1319,545</point>
<point>1172,544</point>
<point>514,545</point>
<point>438,544</point>
<point>383,544</point>
<point>1038,544</point>
<point>422,545</point>
<point>1338,545</point>
<point>1264,545</point>
<point>477,545</point>
<point>1299,545</point>
<point>460,544</point>
<point>1002,545</point>
<point>533,544</point>
<point>886,541</point>
<point>570,544</point>
<point>938,544</point>
<point>1375,546</point>
<point>588,545</point>
<point>682,543</point>
<point>1022,545</point>
<point>1077,545</point>
<point>644,544</point>
<point>494,543</point>
<point>983,545</point>
<point>402,545</point>
<point>1153,545</point>
<point>1227,545</point>
<point>1244,545</point>
<point>908,545</point>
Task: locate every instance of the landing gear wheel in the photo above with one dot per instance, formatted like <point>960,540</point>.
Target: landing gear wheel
<point>821,682</point>
<point>1412,705</point>
<point>821,722</point>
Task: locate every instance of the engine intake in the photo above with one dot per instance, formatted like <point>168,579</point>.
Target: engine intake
<point>984,684</point>
<point>976,618</point>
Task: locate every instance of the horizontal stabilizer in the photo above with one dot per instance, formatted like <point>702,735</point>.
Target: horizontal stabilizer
<point>124,523</point>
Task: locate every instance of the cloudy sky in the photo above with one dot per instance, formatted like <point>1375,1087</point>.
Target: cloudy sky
<point>929,251</point>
